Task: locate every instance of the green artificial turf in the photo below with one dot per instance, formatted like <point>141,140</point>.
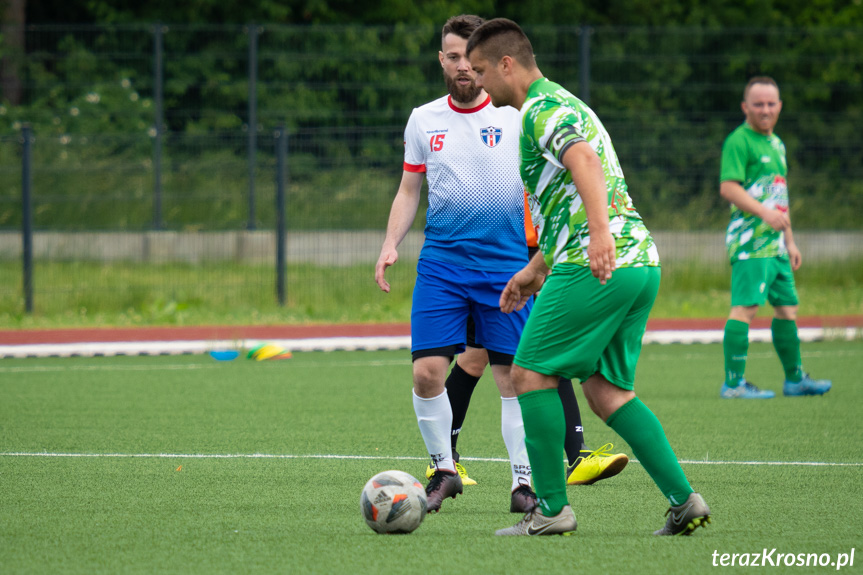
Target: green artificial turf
<point>188,465</point>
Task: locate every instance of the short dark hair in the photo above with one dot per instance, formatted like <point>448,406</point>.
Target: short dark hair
<point>462,26</point>
<point>759,80</point>
<point>501,37</point>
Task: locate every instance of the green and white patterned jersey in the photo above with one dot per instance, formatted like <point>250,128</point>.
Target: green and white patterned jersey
<point>758,163</point>
<point>553,120</point>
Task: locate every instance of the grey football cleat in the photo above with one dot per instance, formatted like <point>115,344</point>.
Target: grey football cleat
<point>443,484</point>
<point>686,518</point>
<point>535,523</point>
<point>745,390</point>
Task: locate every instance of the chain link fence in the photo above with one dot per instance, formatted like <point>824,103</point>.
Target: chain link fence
<point>153,165</point>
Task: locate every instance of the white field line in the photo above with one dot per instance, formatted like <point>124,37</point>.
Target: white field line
<point>192,366</point>
<point>758,355</point>
<point>55,368</point>
<point>384,457</point>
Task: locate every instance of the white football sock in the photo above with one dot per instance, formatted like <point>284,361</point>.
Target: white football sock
<point>434,416</point>
<point>512,429</point>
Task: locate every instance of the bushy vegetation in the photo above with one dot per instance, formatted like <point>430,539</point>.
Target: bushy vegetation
<point>119,148</point>
<point>668,96</point>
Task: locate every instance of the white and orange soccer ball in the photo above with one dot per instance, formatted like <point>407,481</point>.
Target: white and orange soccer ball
<point>393,502</point>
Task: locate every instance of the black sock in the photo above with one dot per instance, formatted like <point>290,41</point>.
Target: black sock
<point>459,388</point>
<point>573,443</point>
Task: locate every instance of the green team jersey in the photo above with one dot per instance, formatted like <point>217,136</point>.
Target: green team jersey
<point>758,163</point>
<point>552,121</point>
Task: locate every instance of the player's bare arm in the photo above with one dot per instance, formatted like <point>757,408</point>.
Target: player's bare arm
<point>734,193</point>
<point>794,255</point>
<point>402,215</point>
<point>524,284</point>
<point>586,169</point>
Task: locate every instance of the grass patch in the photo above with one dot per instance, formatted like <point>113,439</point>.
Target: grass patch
<point>123,294</point>
<point>694,290</point>
<point>86,294</point>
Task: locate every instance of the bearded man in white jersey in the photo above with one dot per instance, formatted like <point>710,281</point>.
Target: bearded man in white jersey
<point>475,241</point>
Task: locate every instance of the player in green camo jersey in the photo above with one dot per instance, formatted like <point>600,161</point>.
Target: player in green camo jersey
<point>761,246</point>
<point>589,320</point>
<point>552,120</point>
<point>748,235</point>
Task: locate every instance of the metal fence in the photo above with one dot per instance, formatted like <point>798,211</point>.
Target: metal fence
<point>155,145</point>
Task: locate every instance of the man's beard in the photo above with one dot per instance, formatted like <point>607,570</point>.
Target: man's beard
<point>459,93</point>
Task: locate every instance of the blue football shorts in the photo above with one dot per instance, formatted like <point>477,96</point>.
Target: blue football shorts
<point>445,294</point>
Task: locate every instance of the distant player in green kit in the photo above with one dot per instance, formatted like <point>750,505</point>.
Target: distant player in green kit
<point>761,245</point>
<point>590,318</point>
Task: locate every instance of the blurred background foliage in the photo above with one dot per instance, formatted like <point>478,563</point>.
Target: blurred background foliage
<point>665,77</point>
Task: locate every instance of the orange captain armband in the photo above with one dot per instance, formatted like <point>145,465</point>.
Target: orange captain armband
<point>529,230</point>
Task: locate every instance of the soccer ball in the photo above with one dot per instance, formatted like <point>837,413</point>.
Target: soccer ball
<point>393,502</point>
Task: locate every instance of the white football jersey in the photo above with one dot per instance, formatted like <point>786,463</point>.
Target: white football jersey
<point>475,217</point>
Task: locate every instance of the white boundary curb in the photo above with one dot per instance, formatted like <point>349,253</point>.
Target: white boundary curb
<point>96,349</point>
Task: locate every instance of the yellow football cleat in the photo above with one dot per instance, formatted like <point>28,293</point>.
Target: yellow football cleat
<point>596,465</point>
<point>462,472</point>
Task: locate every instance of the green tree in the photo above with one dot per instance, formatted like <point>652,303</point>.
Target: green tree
<point>762,13</point>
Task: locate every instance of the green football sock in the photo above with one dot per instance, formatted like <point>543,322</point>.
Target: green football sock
<point>544,429</point>
<point>787,344</point>
<point>735,344</point>
<point>638,426</point>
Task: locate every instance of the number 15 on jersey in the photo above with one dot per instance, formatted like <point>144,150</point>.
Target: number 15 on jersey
<point>436,142</point>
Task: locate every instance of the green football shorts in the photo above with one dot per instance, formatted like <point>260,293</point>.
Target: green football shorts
<point>579,327</point>
<point>763,279</point>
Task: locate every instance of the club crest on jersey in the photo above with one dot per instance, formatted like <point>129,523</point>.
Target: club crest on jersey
<point>491,136</point>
